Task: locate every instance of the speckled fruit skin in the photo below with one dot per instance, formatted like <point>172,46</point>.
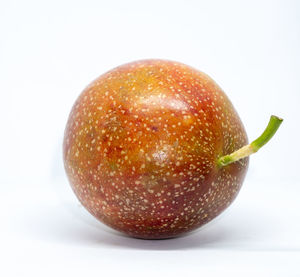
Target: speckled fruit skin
<point>141,148</point>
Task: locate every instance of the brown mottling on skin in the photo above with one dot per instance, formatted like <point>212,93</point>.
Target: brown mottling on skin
<point>141,145</point>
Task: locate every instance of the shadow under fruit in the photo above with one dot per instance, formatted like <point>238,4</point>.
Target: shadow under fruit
<point>155,149</point>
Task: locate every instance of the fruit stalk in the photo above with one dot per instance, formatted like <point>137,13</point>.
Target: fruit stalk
<point>254,146</point>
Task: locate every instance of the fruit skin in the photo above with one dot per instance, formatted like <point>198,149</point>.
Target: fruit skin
<point>141,148</point>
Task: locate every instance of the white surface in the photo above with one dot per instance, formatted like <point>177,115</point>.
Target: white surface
<point>50,50</point>
<point>50,234</point>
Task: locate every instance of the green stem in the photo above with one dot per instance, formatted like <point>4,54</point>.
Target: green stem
<point>255,145</point>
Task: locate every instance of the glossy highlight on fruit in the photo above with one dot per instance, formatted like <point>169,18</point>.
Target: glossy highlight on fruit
<point>143,147</point>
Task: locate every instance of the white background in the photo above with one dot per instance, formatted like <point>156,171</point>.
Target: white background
<point>50,50</point>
